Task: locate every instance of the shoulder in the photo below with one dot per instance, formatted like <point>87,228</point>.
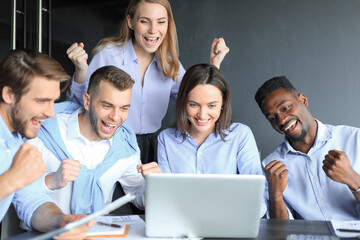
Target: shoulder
<point>275,155</point>
<point>169,133</point>
<point>343,129</point>
<point>239,130</point>
<point>111,49</point>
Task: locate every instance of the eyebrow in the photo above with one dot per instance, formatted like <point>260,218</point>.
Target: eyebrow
<point>207,103</point>
<point>162,18</point>
<point>281,103</point>
<point>108,103</point>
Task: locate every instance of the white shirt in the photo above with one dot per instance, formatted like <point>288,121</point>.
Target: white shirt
<point>90,154</point>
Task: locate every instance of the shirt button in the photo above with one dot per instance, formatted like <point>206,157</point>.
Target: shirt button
<point>321,201</point>
<point>200,153</point>
<point>314,179</point>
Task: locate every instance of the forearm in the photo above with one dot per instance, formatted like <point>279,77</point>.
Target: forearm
<point>277,208</point>
<point>80,76</point>
<point>47,217</point>
<point>9,183</point>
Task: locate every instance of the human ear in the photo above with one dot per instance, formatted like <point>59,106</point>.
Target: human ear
<point>86,98</point>
<point>302,97</point>
<point>7,95</point>
<point>129,22</point>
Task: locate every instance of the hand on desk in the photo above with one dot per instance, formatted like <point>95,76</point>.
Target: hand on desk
<point>77,233</point>
<point>151,167</point>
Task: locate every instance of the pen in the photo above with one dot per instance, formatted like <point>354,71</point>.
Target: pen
<point>348,230</point>
<point>109,224</point>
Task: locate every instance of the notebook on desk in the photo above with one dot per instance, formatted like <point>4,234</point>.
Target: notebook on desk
<point>203,205</point>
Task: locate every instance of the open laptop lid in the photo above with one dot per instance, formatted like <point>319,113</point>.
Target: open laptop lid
<point>203,205</point>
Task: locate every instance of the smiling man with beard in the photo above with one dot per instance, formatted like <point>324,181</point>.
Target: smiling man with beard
<point>314,173</point>
<point>88,149</point>
<point>29,84</point>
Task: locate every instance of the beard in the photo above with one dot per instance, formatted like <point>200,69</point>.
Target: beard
<point>94,119</point>
<point>18,121</point>
<point>298,138</point>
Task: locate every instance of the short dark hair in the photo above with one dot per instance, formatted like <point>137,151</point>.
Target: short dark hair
<point>272,85</point>
<point>120,79</point>
<point>202,74</point>
<point>19,67</point>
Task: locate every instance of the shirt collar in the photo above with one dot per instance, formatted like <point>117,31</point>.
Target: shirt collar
<point>9,138</point>
<point>73,129</point>
<point>323,134</point>
<point>130,55</point>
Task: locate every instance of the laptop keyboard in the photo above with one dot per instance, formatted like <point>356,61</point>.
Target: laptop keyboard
<point>310,237</point>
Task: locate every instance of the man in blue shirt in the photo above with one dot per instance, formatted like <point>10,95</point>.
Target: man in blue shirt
<point>314,173</point>
<point>29,84</point>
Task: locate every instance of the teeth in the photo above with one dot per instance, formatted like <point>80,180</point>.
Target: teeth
<point>39,120</point>
<point>290,125</point>
<point>202,121</point>
<point>110,125</point>
<point>152,39</point>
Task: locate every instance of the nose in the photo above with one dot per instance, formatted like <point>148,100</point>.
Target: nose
<point>282,118</point>
<point>49,110</point>
<point>202,113</point>
<point>115,115</point>
<point>152,28</point>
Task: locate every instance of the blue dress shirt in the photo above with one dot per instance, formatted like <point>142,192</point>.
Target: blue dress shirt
<point>27,199</point>
<point>149,102</point>
<point>309,193</point>
<point>237,155</point>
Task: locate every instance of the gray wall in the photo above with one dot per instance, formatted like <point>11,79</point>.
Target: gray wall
<point>315,43</point>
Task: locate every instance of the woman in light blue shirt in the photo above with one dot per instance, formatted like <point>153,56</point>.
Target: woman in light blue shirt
<point>204,139</point>
<point>146,49</point>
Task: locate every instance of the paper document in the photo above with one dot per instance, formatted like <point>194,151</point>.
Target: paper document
<point>346,229</point>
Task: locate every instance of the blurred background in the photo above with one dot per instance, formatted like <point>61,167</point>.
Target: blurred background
<point>315,43</point>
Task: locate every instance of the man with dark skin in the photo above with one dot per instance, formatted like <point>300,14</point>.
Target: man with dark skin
<point>314,173</point>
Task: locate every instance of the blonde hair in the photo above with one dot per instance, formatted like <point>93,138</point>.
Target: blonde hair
<point>168,51</point>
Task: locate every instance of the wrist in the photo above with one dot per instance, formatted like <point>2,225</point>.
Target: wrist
<point>50,181</point>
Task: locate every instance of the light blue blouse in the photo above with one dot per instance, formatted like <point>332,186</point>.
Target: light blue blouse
<point>237,155</point>
<point>149,102</point>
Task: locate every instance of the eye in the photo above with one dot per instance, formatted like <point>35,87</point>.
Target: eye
<point>143,21</point>
<point>40,101</point>
<point>162,22</point>
<point>271,118</point>
<point>125,109</point>
<point>106,106</point>
<point>192,104</point>
<point>212,106</point>
<point>286,108</point>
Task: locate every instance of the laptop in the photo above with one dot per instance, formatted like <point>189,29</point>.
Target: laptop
<point>203,205</point>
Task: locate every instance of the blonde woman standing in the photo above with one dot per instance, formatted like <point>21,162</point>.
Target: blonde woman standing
<point>147,49</point>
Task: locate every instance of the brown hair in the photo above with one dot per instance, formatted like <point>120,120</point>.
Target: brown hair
<point>19,67</point>
<point>168,50</point>
<point>202,74</point>
<point>120,79</point>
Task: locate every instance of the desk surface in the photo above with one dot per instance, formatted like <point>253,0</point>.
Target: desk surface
<point>270,229</point>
